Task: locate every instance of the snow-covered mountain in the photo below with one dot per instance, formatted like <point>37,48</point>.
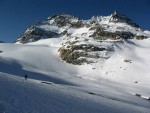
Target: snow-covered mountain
<point>100,65</point>
<point>85,41</point>
<point>66,25</point>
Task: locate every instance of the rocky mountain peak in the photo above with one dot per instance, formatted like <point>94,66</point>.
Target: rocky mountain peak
<point>34,33</point>
<point>62,15</point>
<point>117,13</point>
<point>117,17</point>
<point>62,19</point>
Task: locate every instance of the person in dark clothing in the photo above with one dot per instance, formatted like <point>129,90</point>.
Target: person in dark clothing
<point>25,76</point>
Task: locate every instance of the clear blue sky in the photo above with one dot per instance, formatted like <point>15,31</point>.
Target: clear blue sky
<point>17,15</point>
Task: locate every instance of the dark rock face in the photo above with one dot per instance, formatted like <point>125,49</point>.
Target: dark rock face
<point>141,37</point>
<point>119,18</point>
<point>86,47</point>
<point>77,54</point>
<point>100,34</point>
<point>72,57</point>
<point>33,34</point>
<point>64,20</point>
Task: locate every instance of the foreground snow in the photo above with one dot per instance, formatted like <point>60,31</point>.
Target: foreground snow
<point>55,86</point>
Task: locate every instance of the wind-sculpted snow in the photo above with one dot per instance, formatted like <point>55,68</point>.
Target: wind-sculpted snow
<point>24,60</point>
<point>23,96</point>
<point>119,85</point>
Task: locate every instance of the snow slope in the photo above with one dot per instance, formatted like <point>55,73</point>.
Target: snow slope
<point>55,86</point>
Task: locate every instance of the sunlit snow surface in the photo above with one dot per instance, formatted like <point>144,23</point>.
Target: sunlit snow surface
<point>54,86</point>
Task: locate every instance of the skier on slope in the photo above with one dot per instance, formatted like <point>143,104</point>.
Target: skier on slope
<point>25,76</point>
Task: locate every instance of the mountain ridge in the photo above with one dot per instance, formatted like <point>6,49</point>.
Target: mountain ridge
<point>118,17</point>
<point>85,41</point>
<point>65,21</point>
